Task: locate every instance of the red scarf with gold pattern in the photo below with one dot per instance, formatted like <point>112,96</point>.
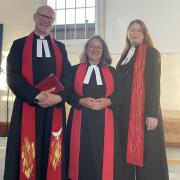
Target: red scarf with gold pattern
<point>135,145</point>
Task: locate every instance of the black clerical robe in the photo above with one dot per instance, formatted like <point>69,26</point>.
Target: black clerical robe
<point>91,163</point>
<point>155,162</point>
<point>24,92</point>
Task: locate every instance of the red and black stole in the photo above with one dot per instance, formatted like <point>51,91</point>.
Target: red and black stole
<point>28,133</point>
<point>108,154</point>
<point>135,145</point>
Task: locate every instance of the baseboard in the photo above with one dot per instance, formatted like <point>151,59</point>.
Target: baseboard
<point>172,144</point>
<point>171,119</point>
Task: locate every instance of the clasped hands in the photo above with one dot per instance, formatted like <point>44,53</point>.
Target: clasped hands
<point>95,104</point>
<point>47,98</point>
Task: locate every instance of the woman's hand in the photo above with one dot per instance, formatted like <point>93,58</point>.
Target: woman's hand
<point>151,123</point>
<point>101,103</point>
<point>87,102</point>
<point>95,104</point>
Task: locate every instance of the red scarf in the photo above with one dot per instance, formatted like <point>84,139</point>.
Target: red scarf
<point>135,145</point>
<point>28,133</point>
<point>108,156</point>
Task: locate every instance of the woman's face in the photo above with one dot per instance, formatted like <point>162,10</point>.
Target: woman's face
<point>94,51</point>
<point>135,34</point>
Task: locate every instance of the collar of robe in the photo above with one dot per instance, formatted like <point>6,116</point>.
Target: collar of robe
<point>40,36</point>
<point>89,73</point>
<point>42,43</point>
<point>129,55</point>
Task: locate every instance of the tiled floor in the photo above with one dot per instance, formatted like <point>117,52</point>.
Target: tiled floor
<point>173,155</point>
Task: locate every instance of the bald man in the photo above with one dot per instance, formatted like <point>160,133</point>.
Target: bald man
<point>36,141</point>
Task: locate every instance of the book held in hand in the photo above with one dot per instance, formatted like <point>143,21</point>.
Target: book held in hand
<point>50,82</point>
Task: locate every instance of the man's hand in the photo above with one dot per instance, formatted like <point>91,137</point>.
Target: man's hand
<point>151,123</point>
<point>47,99</point>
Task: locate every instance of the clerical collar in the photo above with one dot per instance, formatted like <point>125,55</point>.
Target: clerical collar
<point>97,74</point>
<point>40,36</point>
<point>42,43</point>
<point>129,55</point>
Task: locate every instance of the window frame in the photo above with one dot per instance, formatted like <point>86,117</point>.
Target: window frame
<point>98,8</point>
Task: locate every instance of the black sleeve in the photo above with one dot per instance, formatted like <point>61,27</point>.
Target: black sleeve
<point>115,98</point>
<point>121,87</point>
<point>66,77</point>
<point>152,83</point>
<point>16,82</point>
<point>73,98</point>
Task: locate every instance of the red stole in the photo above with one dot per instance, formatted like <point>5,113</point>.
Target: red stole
<point>108,154</point>
<point>28,133</point>
<point>135,145</point>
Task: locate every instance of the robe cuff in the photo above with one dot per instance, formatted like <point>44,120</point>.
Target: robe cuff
<point>63,96</point>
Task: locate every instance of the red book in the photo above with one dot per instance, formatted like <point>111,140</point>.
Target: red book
<point>50,82</point>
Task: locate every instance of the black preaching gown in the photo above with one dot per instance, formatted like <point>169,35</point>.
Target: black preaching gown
<point>155,162</point>
<point>92,129</point>
<point>24,92</point>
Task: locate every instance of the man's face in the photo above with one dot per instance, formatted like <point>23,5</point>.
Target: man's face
<point>44,20</point>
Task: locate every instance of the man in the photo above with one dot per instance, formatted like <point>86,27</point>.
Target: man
<point>36,142</point>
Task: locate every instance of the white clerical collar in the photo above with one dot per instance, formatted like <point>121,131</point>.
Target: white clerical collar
<point>40,36</point>
<point>129,55</point>
<point>42,42</point>
<point>89,72</point>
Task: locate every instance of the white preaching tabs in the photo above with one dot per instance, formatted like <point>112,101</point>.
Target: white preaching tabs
<point>40,44</point>
<point>129,55</point>
<point>97,73</point>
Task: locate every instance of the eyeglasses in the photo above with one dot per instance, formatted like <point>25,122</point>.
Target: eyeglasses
<point>99,48</point>
<point>136,31</point>
<point>51,19</point>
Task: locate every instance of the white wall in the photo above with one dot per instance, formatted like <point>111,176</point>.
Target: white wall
<point>170,81</point>
<point>16,17</point>
<point>161,17</point>
<point>162,20</point>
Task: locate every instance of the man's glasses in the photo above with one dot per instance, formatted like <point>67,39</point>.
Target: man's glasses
<point>51,19</point>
